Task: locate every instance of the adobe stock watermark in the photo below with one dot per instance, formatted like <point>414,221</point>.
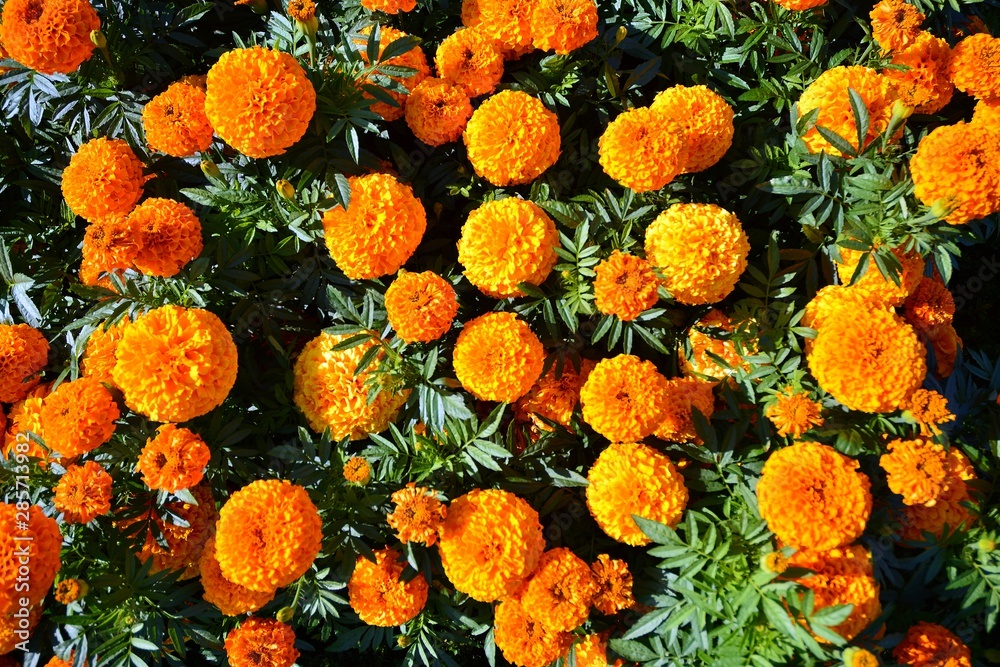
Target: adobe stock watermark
<point>22,541</point>
<point>563,520</point>
<point>987,270</point>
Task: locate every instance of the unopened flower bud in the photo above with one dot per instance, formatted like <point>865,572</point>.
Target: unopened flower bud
<point>285,614</point>
<point>98,38</point>
<point>900,110</point>
<point>621,35</point>
<point>941,208</point>
<point>285,189</point>
<point>986,545</point>
<point>210,169</point>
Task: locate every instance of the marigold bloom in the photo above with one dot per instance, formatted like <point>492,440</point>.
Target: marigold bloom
<point>24,419</point>
<point>878,285</point>
<point>109,246</point>
<point>103,178</point>
<point>470,13</point>
<point>175,122</point>
<point>859,657</point>
<point>701,250</point>
<point>929,409</point>
<point>380,229</point>
<point>842,576</point>
<point>168,235</point>
<point>99,358</point>
<point>562,25</point>
<point>413,59</point>
<point>83,493</point>
<point>231,599</point>
<point>925,86</point>
<point>555,397</point>
<point>268,535</point>
<point>261,642</point>
<point>560,590</point>
<point>833,300</point>
<point>974,66</point>
<point>813,497</point>
<point>175,364</point>
<point>684,395</point>
<point>643,150</point>
<point>707,120</point>
<point>185,535</point>
<point>437,111</point>
<point>895,24</point>
<point>829,94</point>
<point>624,398</point>
<point>418,514</point>
<point>800,5</point>
<point>259,100</point>
<point>470,59</point>
<point>301,10</point>
<point>357,470</point>
<point>523,640</point>
<point>498,357</point>
<point>389,6</point>
<point>775,562</point>
<point>948,511</point>
<point>78,416</point>
<point>69,591</point>
<point>930,305</point>
<point>420,306</point>
<point>489,543</point>
<point>24,352</point>
<point>793,413</point>
<point>918,470</point>
<point>506,242</point>
<point>945,342</point>
<point>378,594</point>
<point>175,459</point>
<point>931,645</point>
<point>593,652</point>
<point>702,343</point>
<point>987,112</point>
<point>49,35</point>
<point>508,22</point>
<point>958,167</point>
<point>44,546</point>
<point>330,395</point>
<point>625,286</point>
<point>614,585</point>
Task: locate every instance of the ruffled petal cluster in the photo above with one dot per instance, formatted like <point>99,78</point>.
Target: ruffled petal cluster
<point>24,353</point>
<point>49,35</point>
<point>175,121</point>
<point>99,357</point>
<point>925,86</point>
<point>174,459</point>
<point>625,286</point>
<point>378,594</point>
<point>44,544</point>
<point>614,585</point>
<point>707,120</point>
<point>167,235</point>
<point>624,398</point>
<point>523,639</point>
<point>498,357</point>
<point>261,642</point>
<point>83,493</point>
<point>708,337</point>
<point>471,60</point>
<point>560,590</point>
<point>78,417</point>
<point>643,149</point>
<point>877,285</point>
<point>420,306</point>
<point>683,396</point>
<point>437,111</point>
<point>829,93</point>
<point>231,599</point>
<point>975,66</point>
<point>957,168</point>
<point>104,178</point>
<point>895,24</point>
<point>555,395</point>
<point>562,25</point>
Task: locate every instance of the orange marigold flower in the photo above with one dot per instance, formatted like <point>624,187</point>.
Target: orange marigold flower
<point>831,300</point>
<point>895,24</point>
<point>987,112</point>
<point>614,585</point>
<point>378,594</point>
<point>945,342</point>
<point>168,234</point>
<point>523,640</point>
<point>103,178</point>
<point>800,5</point>
<point>413,59</point>
<point>813,497</point>
<point>44,545</point>
<point>175,459</point>
<point>560,590</point>
<point>49,35</point>
<point>69,591</point>
<point>634,479</point>
<point>925,86</point>
<point>508,22</point>
<point>470,59</point>
<point>78,416</point>
<point>948,511</point>
<point>24,352</point>
<point>489,543</point>
<point>919,470</point>
<point>268,535</point>
<point>470,13</point>
<point>562,25</point>
<point>701,250</point>
<point>262,642</point>
<point>24,419</point>
<point>184,527</point>
<point>175,120</point>
<point>302,10</point>
<point>703,342</point>
<point>56,661</point>
<point>882,346</point>
<point>707,121</point>
<point>929,409</point>
<point>957,168</point>
<point>418,514</point>
<point>175,364</point>
<point>420,306</point>
<point>506,242</point>
<point>512,138</point>
<point>231,599</point>
<point>259,100</point>
<point>793,413</point>
<point>380,229</point>
<point>99,358</point>
<point>859,657</point>
<point>842,576</point>
<point>498,357</point>
<point>974,65</point>
<point>109,246</point>
<point>357,470</point>
<point>555,395</point>
<point>931,645</point>
<point>643,150</point>
<point>592,651</point>
<point>624,398</point>
<point>389,6</point>
<point>878,285</point>
<point>829,94</point>
<point>83,493</point>
<point>930,305</point>
<point>683,396</point>
<point>437,111</point>
<point>330,395</point>
<point>625,286</point>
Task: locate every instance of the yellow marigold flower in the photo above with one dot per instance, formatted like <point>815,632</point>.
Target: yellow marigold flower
<point>555,397</point>
<point>380,229</point>
<point>103,178</point>
<point>414,59</point>
<point>25,418</point>
<point>175,122</point>
<point>701,250</point>
<point>437,111</point>
<point>624,398</point>
<point>301,10</point>
<point>859,657</point>
<point>523,640</point>
<point>895,24</point>
<point>378,594</point>
<point>919,470</point>
<point>560,590</point>
<point>634,479</point>
<point>330,395</point>
<point>775,562</point>
<point>506,242</point>
<point>99,358</point>
<point>793,413</point>
<point>512,138</point>
<point>49,35</point>
<point>958,167</point>
<point>702,343</point>
<point>929,409</point>
<point>614,585</point>
<point>78,416</point>
<point>684,395</point>
<point>707,120</point>
<point>185,538</point>
<point>418,514</point>
<point>168,234</point>
<point>813,497</point>
<point>175,459</point>
<point>470,59</point>
<point>175,364</point>
<point>389,6</point>
<point>987,112</point>
<point>508,22</point>
<point>832,300</point>
<point>259,101</point>
<point>931,645</point>
<point>69,591</point>
<point>842,576</point>
<point>498,357</point>
<point>930,305</point>
<point>643,150</point>
<point>231,599</point>
<point>24,352</point>
<point>592,651</point>
<point>878,285</point>
<point>882,346</point>
<point>44,546</point>
<point>262,642</point>
<point>490,542</point>
<point>829,94</point>
<point>9,624</point>
<point>83,493</point>
<point>973,66</point>
<point>800,5</point>
<point>625,286</point>
<point>357,470</point>
<point>268,535</point>
<point>420,306</point>
<point>925,86</point>
<point>562,25</point>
